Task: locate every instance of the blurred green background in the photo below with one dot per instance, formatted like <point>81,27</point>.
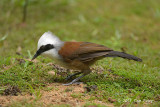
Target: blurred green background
<point>123,25</point>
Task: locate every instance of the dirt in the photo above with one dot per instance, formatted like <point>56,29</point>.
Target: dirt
<point>74,95</point>
<point>90,88</point>
<point>12,90</point>
<point>111,100</point>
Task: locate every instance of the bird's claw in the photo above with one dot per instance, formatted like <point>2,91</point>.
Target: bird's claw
<point>77,83</point>
<point>68,78</point>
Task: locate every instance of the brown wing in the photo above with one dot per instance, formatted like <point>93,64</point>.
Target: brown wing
<point>83,51</point>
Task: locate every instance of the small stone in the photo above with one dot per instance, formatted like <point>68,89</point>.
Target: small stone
<point>51,73</point>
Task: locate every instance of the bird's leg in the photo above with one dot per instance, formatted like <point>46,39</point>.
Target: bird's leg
<point>78,78</point>
<point>70,76</point>
<point>75,80</point>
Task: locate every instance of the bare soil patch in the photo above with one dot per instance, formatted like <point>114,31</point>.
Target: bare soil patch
<point>56,93</point>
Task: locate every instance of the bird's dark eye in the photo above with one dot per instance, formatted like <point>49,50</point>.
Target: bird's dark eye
<point>47,47</point>
<point>42,47</point>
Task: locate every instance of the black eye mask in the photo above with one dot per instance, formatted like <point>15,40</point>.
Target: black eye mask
<point>42,49</point>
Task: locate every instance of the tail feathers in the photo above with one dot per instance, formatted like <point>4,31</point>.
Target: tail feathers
<point>123,55</point>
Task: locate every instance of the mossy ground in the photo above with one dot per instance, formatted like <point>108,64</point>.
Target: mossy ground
<point>131,26</point>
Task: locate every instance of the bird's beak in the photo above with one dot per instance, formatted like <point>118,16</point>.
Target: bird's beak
<point>36,55</point>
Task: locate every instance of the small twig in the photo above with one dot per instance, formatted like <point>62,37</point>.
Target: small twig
<point>25,11</point>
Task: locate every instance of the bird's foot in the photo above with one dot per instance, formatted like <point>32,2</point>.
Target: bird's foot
<point>70,76</point>
<point>75,80</point>
<point>77,83</point>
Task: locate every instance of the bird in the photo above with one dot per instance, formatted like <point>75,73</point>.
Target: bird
<point>75,55</point>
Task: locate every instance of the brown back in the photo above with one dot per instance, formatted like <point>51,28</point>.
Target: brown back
<point>83,51</point>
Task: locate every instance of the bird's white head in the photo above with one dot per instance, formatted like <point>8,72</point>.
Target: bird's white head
<point>49,45</point>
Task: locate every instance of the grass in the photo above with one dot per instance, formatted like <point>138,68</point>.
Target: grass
<point>129,25</point>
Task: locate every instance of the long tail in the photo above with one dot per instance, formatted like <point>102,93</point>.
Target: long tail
<point>123,55</point>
